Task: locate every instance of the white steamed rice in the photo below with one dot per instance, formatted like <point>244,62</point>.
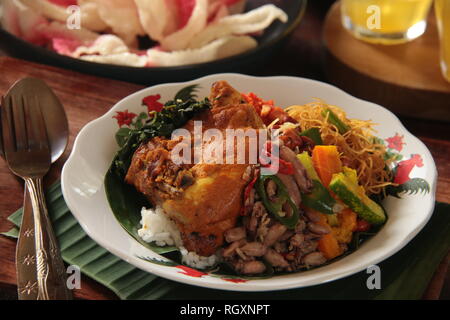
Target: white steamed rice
<point>159,229</point>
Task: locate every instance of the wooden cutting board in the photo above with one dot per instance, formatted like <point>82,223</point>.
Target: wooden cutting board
<point>405,78</point>
<point>85,98</point>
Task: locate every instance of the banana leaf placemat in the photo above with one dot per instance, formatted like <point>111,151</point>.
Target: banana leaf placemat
<point>403,276</point>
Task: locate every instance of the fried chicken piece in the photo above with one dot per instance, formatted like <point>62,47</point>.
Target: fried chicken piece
<point>203,199</point>
<point>222,94</point>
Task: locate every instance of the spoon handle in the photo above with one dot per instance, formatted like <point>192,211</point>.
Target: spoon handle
<point>50,270</point>
<point>25,254</point>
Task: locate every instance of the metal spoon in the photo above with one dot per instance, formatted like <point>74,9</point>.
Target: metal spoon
<point>58,134</point>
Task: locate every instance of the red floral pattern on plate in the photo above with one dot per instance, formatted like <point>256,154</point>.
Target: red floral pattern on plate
<point>191,272</point>
<point>152,103</point>
<point>234,280</point>
<point>405,167</point>
<point>124,117</point>
<point>198,274</point>
<point>395,142</point>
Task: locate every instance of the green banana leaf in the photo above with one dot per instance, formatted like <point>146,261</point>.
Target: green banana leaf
<point>126,204</point>
<point>403,276</point>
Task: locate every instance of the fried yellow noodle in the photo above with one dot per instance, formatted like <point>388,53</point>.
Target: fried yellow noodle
<point>358,146</point>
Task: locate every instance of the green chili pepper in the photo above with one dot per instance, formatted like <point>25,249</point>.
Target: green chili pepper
<point>291,221</point>
<point>319,199</point>
<point>282,197</point>
<point>314,135</point>
<point>334,120</point>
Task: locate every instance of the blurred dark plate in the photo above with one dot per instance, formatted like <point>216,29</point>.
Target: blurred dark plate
<point>273,39</point>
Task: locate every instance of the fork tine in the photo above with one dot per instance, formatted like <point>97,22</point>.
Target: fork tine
<point>9,144</point>
<point>19,122</point>
<point>31,131</point>
<point>37,131</point>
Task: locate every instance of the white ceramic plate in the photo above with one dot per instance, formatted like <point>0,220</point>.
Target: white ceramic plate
<point>95,147</point>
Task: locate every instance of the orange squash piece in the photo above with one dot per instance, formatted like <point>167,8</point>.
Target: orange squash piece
<point>347,225</point>
<point>328,244</point>
<point>327,162</point>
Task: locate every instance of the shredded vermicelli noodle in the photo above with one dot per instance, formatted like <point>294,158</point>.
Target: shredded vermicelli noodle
<point>359,148</point>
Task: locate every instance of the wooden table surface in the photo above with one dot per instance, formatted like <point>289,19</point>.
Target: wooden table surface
<point>86,98</point>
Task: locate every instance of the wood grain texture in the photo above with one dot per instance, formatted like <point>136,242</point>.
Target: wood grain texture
<point>405,78</point>
<point>85,98</point>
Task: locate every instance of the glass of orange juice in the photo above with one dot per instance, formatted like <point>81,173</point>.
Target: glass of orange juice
<point>442,8</point>
<point>385,21</point>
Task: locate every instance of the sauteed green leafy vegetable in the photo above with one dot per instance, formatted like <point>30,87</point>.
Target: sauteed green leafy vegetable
<point>174,115</point>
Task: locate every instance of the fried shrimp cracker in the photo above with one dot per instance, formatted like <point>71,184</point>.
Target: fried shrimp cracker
<point>124,59</point>
<point>157,17</point>
<point>218,49</point>
<point>89,13</point>
<point>180,39</point>
<point>122,17</point>
<point>239,24</point>
<point>104,45</point>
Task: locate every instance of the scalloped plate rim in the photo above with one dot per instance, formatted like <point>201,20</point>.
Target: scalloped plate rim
<point>251,285</point>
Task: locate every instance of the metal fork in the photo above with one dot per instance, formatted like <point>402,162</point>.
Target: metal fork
<point>27,154</point>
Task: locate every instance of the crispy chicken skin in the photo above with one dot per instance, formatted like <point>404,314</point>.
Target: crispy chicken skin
<point>222,94</point>
<point>204,200</point>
